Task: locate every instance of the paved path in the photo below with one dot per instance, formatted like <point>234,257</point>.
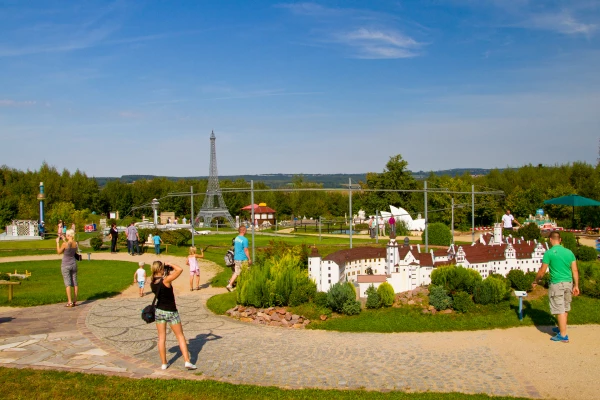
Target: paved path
<point>108,336</point>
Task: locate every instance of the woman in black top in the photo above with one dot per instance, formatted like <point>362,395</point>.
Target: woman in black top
<point>166,310</point>
<point>114,235</point>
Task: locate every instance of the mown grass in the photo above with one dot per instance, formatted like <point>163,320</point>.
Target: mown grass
<point>585,310</point>
<point>96,280</point>
<point>221,302</point>
<point>35,384</point>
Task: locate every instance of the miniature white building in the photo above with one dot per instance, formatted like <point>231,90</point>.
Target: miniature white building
<point>405,267</point>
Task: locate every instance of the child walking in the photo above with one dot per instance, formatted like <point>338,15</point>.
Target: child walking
<point>140,277</point>
<point>194,269</point>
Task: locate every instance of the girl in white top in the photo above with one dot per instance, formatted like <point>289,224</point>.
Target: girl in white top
<point>140,277</point>
<point>194,268</point>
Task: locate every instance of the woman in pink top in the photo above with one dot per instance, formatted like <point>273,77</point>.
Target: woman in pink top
<point>194,269</point>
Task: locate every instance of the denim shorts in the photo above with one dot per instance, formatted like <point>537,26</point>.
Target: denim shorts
<point>141,284</point>
<point>170,317</point>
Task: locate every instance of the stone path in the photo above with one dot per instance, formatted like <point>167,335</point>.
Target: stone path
<point>109,337</point>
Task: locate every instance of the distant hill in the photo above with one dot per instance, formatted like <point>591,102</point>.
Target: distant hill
<point>282,180</point>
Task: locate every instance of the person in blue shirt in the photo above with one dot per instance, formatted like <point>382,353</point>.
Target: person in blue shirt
<point>157,241</point>
<point>241,255</point>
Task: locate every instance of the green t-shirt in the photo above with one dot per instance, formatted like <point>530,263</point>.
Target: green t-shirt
<point>559,262</point>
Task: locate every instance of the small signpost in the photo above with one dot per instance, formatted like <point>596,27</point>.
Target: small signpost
<point>520,294</point>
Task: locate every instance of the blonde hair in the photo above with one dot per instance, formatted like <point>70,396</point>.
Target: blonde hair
<point>192,250</point>
<point>158,268</point>
<point>70,232</point>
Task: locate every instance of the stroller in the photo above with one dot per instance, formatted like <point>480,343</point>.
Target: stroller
<point>229,261</point>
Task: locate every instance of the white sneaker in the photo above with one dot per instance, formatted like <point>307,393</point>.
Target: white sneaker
<point>164,366</point>
<point>189,365</point>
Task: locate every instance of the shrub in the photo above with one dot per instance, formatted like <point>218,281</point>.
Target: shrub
<point>438,297</point>
<point>589,279</point>
<point>373,300</point>
<point>303,293</point>
<point>438,234</point>
<point>462,302</point>
<point>569,241</point>
<point>320,299</point>
<point>491,290</point>
<point>386,294</point>
<point>520,281</point>
<point>338,294</point>
<point>530,231</point>
<point>545,281</point>
<point>402,228</point>
<point>586,253</point>
<point>96,242</point>
<point>179,237</point>
<point>351,307</point>
<point>273,283</point>
<point>455,279</point>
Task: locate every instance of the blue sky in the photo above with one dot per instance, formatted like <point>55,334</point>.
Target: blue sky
<point>136,87</point>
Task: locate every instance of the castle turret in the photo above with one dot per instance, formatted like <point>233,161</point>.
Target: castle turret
<point>498,233</point>
<point>314,267</point>
<point>392,256</point>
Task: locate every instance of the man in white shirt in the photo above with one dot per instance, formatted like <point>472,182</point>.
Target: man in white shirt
<point>507,221</point>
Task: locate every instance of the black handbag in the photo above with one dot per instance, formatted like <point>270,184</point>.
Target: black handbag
<point>77,255</point>
<point>148,313</point>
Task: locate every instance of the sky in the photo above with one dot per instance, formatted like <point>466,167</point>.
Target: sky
<point>136,87</point>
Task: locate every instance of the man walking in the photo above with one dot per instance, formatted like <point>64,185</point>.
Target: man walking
<point>114,235</point>
<point>372,225</point>
<point>564,283</point>
<point>507,221</point>
<point>392,222</point>
<point>241,255</point>
<point>133,239</point>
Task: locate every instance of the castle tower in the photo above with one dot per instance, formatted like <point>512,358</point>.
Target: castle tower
<point>314,268</point>
<point>392,256</point>
<point>214,205</point>
<point>497,233</point>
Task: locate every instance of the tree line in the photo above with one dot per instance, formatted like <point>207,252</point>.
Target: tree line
<point>75,197</point>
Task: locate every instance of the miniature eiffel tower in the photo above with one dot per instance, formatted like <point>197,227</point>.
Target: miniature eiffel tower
<point>211,208</point>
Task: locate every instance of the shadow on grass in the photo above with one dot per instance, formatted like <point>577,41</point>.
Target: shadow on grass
<point>195,346</point>
<point>542,319</point>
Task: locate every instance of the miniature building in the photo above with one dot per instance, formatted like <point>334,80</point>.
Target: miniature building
<point>263,215</point>
<point>405,267</point>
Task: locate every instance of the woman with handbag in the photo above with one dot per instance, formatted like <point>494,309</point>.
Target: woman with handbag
<point>166,311</point>
<point>68,266</point>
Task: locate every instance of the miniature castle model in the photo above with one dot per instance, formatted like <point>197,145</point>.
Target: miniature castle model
<point>401,215</point>
<point>405,267</point>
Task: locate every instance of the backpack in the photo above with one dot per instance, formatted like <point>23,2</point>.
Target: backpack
<point>229,261</point>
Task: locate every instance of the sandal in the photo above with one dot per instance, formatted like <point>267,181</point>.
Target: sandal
<point>69,305</point>
<point>74,304</point>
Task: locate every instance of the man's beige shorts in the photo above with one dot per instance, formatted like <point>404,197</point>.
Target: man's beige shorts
<point>560,295</point>
<point>239,265</point>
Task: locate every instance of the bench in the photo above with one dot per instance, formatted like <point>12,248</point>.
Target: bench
<point>10,288</point>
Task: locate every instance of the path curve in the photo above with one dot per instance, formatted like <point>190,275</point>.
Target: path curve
<point>109,337</point>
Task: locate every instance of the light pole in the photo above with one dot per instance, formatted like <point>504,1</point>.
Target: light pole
<point>154,205</point>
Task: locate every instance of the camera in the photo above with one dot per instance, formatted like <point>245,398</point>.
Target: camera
<point>168,269</point>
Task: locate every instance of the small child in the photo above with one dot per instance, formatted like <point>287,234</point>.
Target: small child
<point>194,269</point>
<point>140,277</point>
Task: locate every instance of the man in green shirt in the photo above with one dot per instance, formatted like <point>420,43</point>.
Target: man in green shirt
<point>564,283</point>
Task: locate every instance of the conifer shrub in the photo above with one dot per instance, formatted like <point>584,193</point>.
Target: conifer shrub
<point>96,242</point>
<point>386,294</point>
<point>519,280</point>
<point>438,234</point>
<point>586,253</point>
<point>569,241</point>
<point>462,302</point>
<point>455,279</point>
<point>273,282</point>
<point>438,297</point>
<point>491,290</point>
<point>373,300</point>
<point>530,231</point>
<point>589,279</point>
<point>338,294</point>
<point>351,307</point>
<point>320,299</point>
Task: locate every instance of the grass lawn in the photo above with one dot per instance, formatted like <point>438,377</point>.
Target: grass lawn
<point>96,280</point>
<point>35,384</point>
<point>585,310</point>
<point>222,302</point>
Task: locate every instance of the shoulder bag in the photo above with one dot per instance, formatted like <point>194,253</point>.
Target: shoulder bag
<point>148,313</point>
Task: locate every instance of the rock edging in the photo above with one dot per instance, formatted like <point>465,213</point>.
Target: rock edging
<point>271,316</point>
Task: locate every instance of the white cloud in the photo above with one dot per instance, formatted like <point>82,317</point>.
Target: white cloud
<point>373,43</point>
<point>16,103</point>
<point>562,22</point>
